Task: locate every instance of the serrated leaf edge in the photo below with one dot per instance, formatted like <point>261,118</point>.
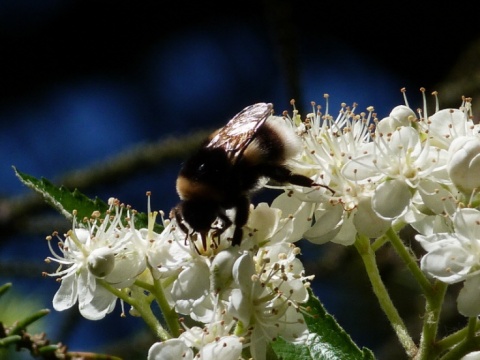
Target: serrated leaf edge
<point>57,205</point>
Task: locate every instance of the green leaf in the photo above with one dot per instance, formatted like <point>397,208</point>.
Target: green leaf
<point>66,201</point>
<point>62,199</point>
<point>327,340</point>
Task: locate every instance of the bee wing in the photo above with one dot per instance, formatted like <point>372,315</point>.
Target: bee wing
<point>239,132</point>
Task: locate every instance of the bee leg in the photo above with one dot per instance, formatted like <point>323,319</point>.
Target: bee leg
<point>192,243</point>
<point>217,232</point>
<point>241,218</point>
<point>203,236</point>
<point>181,225</point>
<point>284,175</point>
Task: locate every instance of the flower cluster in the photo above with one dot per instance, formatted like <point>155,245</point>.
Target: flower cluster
<point>379,175</point>
<point>406,168</point>
<point>246,296</point>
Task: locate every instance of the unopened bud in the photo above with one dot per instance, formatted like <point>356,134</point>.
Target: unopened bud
<point>464,163</point>
<point>101,262</point>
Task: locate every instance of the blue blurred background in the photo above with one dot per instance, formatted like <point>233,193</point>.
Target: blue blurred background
<point>84,81</point>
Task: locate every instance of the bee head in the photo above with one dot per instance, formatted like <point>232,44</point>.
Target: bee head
<point>203,176</point>
<point>199,213</point>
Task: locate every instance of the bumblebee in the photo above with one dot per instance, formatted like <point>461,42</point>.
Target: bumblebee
<point>230,166</point>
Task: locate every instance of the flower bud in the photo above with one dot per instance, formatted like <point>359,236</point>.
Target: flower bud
<point>399,116</point>
<point>464,163</point>
<point>101,262</point>
<point>221,269</point>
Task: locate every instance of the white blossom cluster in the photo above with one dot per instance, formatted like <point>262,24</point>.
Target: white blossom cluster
<point>246,296</point>
<point>407,168</point>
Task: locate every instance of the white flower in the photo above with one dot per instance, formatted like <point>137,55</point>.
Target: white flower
<point>329,145</point>
<point>214,341</point>
<point>200,276</point>
<point>284,221</point>
<point>214,286</point>
<point>172,349</point>
<point>455,256</point>
<point>264,310</point>
<point>225,348</point>
<point>191,291</point>
<point>296,218</point>
<point>206,278</point>
<point>398,163</point>
<point>103,251</point>
<point>448,124</point>
<point>166,252</point>
<point>397,173</point>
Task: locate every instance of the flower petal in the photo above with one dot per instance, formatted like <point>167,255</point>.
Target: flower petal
<point>66,295</point>
<point>263,220</point>
<point>466,222</point>
<point>367,222</point>
<point>467,301</point>
<point>193,282</point>
<point>328,222</point>
<point>225,348</point>
<point>391,199</point>
<point>103,302</point>
<point>347,234</point>
<point>172,349</point>
<point>449,264</point>
<point>301,215</point>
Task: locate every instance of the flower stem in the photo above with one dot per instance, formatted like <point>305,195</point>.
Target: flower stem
<point>410,261</point>
<point>454,339</point>
<point>467,344</point>
<point>368,256</point>
<point>382,240</point>
<point>472,327</point>
<point>433,306</point>
<point>169,313</point>
<point>142,306</point>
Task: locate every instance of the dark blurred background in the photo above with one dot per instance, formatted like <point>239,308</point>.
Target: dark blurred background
<point>110,96</point>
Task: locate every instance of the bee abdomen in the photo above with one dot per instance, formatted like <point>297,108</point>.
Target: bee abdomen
<point>274,143</point>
